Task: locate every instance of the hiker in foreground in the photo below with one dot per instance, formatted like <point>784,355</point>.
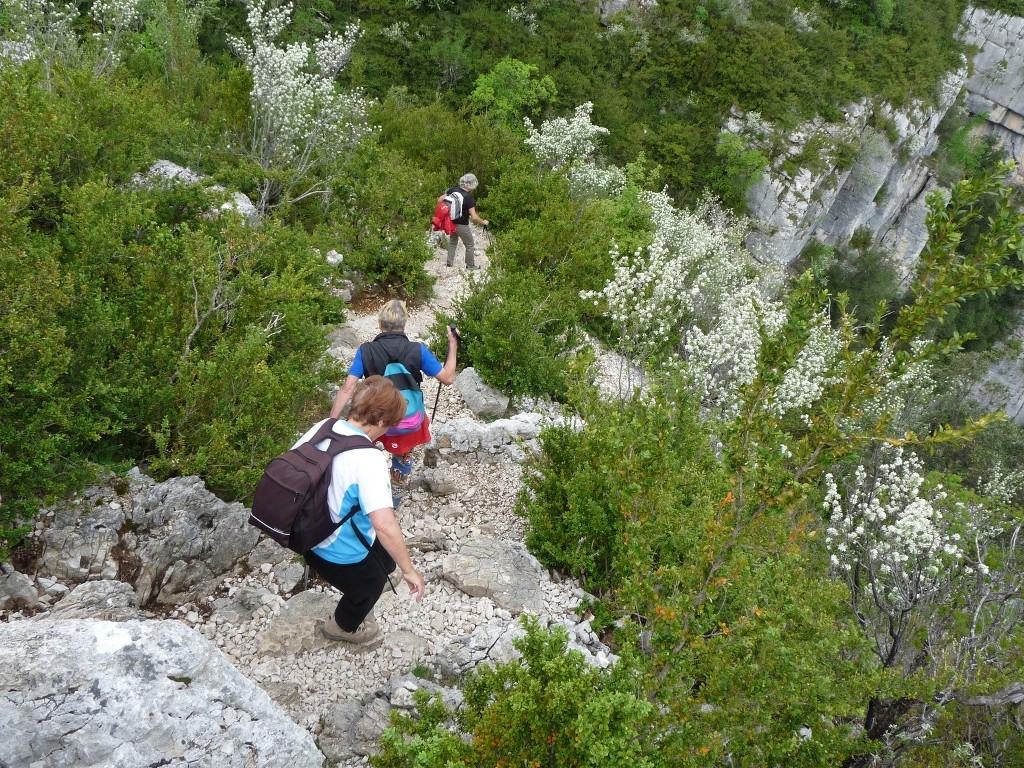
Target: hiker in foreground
<point>360,556</point>
<point>462,229</point>
<point>404,362</point>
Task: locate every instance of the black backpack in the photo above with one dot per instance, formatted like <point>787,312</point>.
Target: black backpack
<point>290,504</point>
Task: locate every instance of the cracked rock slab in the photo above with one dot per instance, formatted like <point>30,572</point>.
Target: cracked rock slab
<point>122,695</point>
<point>501,570</point>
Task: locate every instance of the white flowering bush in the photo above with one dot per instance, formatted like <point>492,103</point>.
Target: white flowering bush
<point>697,294</point>
<point>302,122</point>
<point>813,371</point>
<point>114,18</point>
<point>569,145</point>
<point>889,527</point>
<point>914,555</point>
<point>40,29</point>
<point>45,30</point>
<point>525,16</point>
<point>1006,486</point>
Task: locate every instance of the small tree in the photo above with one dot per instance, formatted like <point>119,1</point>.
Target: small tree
<point>302,124</point>
<point>547,708</point>
<point>512,90</point>
<point>570,146</point>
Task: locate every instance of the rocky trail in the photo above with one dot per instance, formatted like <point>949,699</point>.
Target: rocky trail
<point>264,611</point>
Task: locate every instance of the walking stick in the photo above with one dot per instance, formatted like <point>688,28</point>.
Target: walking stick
<point>434,412</point>
<point>458,338</point>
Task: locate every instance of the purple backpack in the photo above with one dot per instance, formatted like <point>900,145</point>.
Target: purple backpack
<point>290,504</point>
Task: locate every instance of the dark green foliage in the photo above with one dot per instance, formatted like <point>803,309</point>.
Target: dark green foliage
<point>630,470</point>
<point>380,210</point>
<point>73,130</point>
<point>732,630</point>
<point>516,330</point>
<point>1009,7</point>
<point>548,708</point>
<point>135,325</point>
<point>865,274</point>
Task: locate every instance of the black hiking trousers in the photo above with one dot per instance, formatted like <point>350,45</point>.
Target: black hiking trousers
<point>361,584</point>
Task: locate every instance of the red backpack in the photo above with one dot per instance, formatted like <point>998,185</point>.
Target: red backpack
<point>442,221</point>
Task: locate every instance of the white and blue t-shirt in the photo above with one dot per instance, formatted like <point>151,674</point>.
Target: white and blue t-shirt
<point>358,476</point>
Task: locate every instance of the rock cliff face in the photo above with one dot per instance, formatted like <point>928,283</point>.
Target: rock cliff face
<point>996,89</point>
<point>127,694</point>
<point>883,190</point>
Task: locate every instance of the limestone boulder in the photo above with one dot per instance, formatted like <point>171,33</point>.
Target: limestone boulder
<point>503,571</point>
<point>122,695</point>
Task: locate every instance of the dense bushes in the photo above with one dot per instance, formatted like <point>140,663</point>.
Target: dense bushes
<point>134,325</point>
<point>548,708</point>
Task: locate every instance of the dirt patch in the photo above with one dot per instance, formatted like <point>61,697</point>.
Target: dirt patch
<point>25,556</point>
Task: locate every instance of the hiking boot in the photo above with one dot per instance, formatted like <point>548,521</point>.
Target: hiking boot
<point>366,633</point>
<point>401,468</point>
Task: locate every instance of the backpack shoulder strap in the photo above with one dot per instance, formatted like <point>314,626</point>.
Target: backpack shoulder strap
<point>381,352</point>
<point>338,443</point>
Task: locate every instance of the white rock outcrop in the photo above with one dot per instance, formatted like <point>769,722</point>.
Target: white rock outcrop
<point>882,191</point>
<point>122,695</point>
<point>808,193</point>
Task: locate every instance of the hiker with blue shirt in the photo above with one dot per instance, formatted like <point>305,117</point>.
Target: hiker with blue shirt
<point>360,557</point>
<point>403,362</point>
<point>462,229</point>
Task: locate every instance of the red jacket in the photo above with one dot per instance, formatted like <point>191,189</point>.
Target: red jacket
<point>442,221</point>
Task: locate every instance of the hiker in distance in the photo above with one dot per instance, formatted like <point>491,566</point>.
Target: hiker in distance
<point>404,362</point>
<point>462,229</point>
<point>360,556</point>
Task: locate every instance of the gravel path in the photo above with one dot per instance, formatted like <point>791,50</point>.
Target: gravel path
<point>308,683</point>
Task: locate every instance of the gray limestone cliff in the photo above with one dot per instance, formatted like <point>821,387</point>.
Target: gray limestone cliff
<point>996,87</point>
<point>814,190</point>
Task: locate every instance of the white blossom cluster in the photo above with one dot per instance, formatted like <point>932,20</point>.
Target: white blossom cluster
<point>111,15</point>
<point>914,385</point>
<point>587,179</point>
<point>696,288</point>
<point>298,111</point>
<point>40,28</point>
<point>570,146</point>
<point>724,358</point>
<point>397,33</point>
<point>1005,486</point>
<point>527,17</point>
<point>886,528</point>
<point>812,371</point>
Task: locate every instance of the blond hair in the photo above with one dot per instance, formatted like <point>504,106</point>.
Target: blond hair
<point>392,316</point>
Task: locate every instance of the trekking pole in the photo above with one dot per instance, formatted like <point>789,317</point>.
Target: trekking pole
<point>434,412</point>
<point>458,338</point>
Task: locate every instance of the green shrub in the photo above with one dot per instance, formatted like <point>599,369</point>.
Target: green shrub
<point>512,91</point>
<point>742,167</point>
<point>630,472</point>
<point>548,708</point>
<point>42,432</point>
<point>867,276</point>
<point>516,329</point>
<point>734,631</point>
<point>378,222</point>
